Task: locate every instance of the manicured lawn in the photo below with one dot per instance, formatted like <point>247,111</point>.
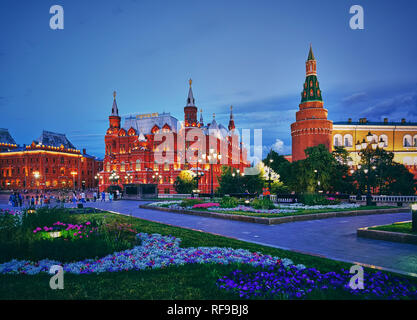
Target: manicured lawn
<point>403,227</point>
<point>191,281</point>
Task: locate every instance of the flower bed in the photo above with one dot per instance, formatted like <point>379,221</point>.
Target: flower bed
<point>280,208</point>
<point>156,251</point>
<point>291,282</point>
<point>66,231</point>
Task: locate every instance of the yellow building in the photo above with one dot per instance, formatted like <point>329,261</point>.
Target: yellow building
<point>397,137</point>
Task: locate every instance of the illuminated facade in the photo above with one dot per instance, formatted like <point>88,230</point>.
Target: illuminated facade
<point>397,137</point>
<point>154,148</point>
<point>49,163</point>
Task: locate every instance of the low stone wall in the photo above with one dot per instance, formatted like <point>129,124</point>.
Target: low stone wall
<point>387,235</point>
<point>278,220</point>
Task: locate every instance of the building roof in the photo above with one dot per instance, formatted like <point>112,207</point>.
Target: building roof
<point>375,123</point>
<point>144,125</point>
<point>55,139</point>
<point>5,136</point>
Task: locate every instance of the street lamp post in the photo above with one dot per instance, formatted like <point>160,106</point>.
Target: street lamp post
<point>212,157</point>
<point>366,146</point>
<point>73,173</point>
<point>97,177</point>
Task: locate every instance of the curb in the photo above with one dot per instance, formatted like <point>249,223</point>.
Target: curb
<point>387,235</point>
<point>279,220</point>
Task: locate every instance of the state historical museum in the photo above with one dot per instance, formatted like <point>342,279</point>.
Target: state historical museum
<point>152,149</point>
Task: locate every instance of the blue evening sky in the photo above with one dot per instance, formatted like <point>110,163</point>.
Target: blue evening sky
<point>250,54</point>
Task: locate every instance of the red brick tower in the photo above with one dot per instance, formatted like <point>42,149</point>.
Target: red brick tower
<point>311,127</point>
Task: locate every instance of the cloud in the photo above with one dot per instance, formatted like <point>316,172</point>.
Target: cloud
<point>397,107</point>
<point>278,146</point>
<point>355,98</point>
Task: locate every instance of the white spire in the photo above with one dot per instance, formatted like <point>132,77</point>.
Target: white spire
<point>190,99</point>
<point>114,110</point>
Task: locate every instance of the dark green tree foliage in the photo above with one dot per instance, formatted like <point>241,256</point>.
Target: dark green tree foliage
<point>385,175</point>
<point>229,184</point>
<point>277,163</point>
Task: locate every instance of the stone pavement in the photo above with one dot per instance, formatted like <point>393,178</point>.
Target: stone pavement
<point>334,238</point>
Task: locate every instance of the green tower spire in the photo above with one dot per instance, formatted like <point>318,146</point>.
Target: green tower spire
<point>311,89</point>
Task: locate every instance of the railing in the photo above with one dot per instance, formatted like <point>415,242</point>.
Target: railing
<point>282,198</point>
<point>386,198</point>
<point>173,196</point>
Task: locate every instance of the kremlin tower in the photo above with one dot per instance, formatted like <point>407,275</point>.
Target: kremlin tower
<point>311,127</point>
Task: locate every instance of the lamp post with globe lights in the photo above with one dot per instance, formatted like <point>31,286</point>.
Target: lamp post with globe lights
<point>212,158</point>
<point>366,150</point>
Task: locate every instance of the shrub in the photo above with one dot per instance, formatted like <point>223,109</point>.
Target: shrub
<point>264,203</point>
<point>229,202</point>
<point>314,199</point>
<point>190,202</point>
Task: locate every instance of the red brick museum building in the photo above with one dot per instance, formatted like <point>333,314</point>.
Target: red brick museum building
<point>155,148</point>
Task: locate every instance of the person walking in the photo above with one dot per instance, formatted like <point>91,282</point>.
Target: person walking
<point>95,196</point>
<point>74,199</point>
<point>103,197</point>
<point>83,197</point>
<point>110,196</point>
<point>32,201</point>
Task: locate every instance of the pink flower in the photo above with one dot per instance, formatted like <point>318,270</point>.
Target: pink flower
<point>206,205</point>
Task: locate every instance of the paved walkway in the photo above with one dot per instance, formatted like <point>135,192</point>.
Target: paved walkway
<point>333,238</point>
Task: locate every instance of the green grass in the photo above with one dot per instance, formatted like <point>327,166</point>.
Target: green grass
<point>402,227</point>
<point>192,281</point>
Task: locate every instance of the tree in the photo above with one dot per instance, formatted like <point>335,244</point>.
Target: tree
<point>277,161</point>
<point>232,182</point>
<point>398,181</point>
<point>319,171</point>
<point>185,182</point>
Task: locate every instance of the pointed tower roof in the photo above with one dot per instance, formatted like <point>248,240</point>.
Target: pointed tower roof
<point>311,54</point>
<point>190,99</point>
<point>231,125</point>
<point>201,117</point>
<point>114,109</point>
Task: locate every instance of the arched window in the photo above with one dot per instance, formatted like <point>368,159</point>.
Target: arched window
<point>123,167</point>
<point>415,141</point>
<point>407,141</point>
<point>337,140</point>
<point>384,138</point>
<point>108,167</point>
<point>137,166</point>
<point>348,140</point>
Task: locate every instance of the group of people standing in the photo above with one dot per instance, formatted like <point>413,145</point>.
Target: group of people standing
<point>18,200</point>
<point>24,198</point>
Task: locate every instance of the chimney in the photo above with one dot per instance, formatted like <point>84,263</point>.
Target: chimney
<point>402,120</point>
<point>385,120</point>
<point>350,120</point>
<point>84,151</point>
